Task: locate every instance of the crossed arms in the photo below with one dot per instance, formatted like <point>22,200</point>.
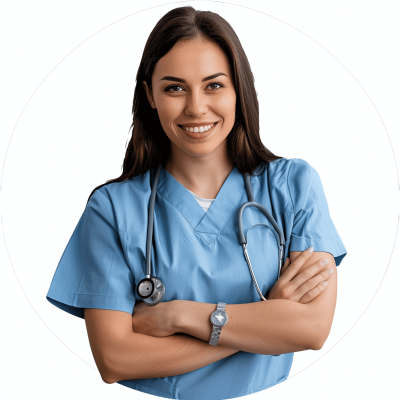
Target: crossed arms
<point>172,337</point>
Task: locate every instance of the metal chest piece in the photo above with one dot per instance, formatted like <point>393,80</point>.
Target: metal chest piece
<point>151,290</point>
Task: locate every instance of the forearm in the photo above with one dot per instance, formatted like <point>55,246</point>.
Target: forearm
<point>266,327</point>
<point>138,356</point>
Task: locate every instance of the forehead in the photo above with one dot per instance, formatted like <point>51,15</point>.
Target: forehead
<point>192,60</point>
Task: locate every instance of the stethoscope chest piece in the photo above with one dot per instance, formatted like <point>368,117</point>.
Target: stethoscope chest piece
<point>151,290</point>
<point>145,288</point>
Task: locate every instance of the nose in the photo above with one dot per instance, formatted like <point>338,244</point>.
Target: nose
<point>196,104</point>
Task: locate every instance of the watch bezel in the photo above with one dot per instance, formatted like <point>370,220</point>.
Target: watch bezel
<point>217,322</point>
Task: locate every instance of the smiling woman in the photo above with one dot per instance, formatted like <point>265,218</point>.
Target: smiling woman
<point>195,140</point>
<point>205,107</point>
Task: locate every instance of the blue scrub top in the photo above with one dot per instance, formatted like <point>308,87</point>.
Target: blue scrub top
<point>198,256</point>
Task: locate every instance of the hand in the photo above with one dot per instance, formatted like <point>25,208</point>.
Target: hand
<point>155,320</point>
<point>300,287</point>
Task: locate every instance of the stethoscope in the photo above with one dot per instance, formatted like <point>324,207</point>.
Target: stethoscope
<point>151,289</point>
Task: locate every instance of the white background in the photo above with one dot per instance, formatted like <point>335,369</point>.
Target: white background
<point>359,358</point>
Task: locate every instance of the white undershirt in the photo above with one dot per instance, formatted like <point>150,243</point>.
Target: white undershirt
<point>205,203</point>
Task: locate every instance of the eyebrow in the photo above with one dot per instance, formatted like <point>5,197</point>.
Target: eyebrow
<point>207,78</point>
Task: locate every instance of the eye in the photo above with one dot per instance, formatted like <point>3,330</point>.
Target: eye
<point>216,83</point>
<point>168,89</point>
<point>173,86</point>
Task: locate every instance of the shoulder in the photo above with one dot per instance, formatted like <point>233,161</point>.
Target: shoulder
<point>117,192</point>
<point>283,166</point>
<point>299,182</point>
<point>287,179</point>
<point>285,169</point>
<point>123,202</point>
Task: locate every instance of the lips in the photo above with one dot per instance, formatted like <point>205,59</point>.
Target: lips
<point>198,135</point>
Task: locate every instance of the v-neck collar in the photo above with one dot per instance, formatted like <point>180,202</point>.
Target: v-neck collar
<point>206,224</point>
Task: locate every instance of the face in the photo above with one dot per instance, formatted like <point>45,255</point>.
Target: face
<point>192,87</point>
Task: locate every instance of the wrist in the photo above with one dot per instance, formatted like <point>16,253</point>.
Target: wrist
<point>183,312</point>
<point>176,315</point>
<point>193,318</point>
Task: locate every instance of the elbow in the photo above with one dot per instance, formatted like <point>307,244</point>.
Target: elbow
<point>110,371</point>
<point>113,366</point>
<point>317,344</point>
<point>107,369</point>
<point>107,374</point>
<point>106,378</point>
<point>318,338</point>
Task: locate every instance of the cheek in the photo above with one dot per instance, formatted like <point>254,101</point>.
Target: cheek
<point>169,111</point>
<point>171,105</point>
<point>227,108</point>
<point>166,116</point>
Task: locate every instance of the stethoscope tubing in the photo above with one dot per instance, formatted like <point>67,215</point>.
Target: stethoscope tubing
<point>150,224</point>
<point>242,239</point>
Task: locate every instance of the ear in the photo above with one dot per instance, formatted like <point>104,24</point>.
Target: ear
<point>149,95</point>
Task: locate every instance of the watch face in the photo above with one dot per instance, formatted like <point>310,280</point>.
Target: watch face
<point>219,318</point>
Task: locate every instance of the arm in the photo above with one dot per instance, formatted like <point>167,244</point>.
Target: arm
<point>268,327</point>
<point>323,306</point>
<point>275,326</point>
<point>121,354</point>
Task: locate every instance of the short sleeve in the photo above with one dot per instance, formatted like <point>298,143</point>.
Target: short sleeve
<point>312,225</point>
<point>93,272</point>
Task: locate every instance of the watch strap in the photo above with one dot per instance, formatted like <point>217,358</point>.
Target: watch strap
<point>221,306</point>
<point>216,330</point>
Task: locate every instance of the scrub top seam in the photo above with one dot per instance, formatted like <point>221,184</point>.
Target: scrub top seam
<point>118,232</point>
<point>95,294</point>
<point>103,195</point>
<point>113,211</point>
<point>198,232</point>
<point>222,226</point>
<point>176,209</point>
<point>288,186</point>
<point>201,237</point>
<point>69,242</point>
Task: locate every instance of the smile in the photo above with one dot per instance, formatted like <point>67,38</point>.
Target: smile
<point>198,132</point>
<point>197,129</point>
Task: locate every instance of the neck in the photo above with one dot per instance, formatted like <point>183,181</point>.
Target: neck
<point>203,175</point>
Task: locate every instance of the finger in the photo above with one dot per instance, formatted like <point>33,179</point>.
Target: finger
<point>312,283</point>
<point>313,293</point>
<point>295,266</point>
<point>284,266</point>
<point>309,272</point>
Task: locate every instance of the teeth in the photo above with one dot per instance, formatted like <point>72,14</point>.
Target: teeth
<point>199,128</point>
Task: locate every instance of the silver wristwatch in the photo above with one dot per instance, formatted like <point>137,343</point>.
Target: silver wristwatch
<point>218,318</point>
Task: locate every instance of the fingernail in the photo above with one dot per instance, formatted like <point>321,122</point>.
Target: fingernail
<point>324,283</point>
<point>324,261</point>
<point>310,249</point>
<point>330,271</point>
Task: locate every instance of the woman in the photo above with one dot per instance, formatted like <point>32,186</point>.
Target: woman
<point>195,112</point>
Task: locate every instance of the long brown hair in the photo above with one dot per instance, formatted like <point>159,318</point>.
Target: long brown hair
<point>149,145</point>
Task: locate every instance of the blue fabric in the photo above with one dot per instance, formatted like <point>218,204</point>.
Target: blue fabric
<point>199,258</point>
